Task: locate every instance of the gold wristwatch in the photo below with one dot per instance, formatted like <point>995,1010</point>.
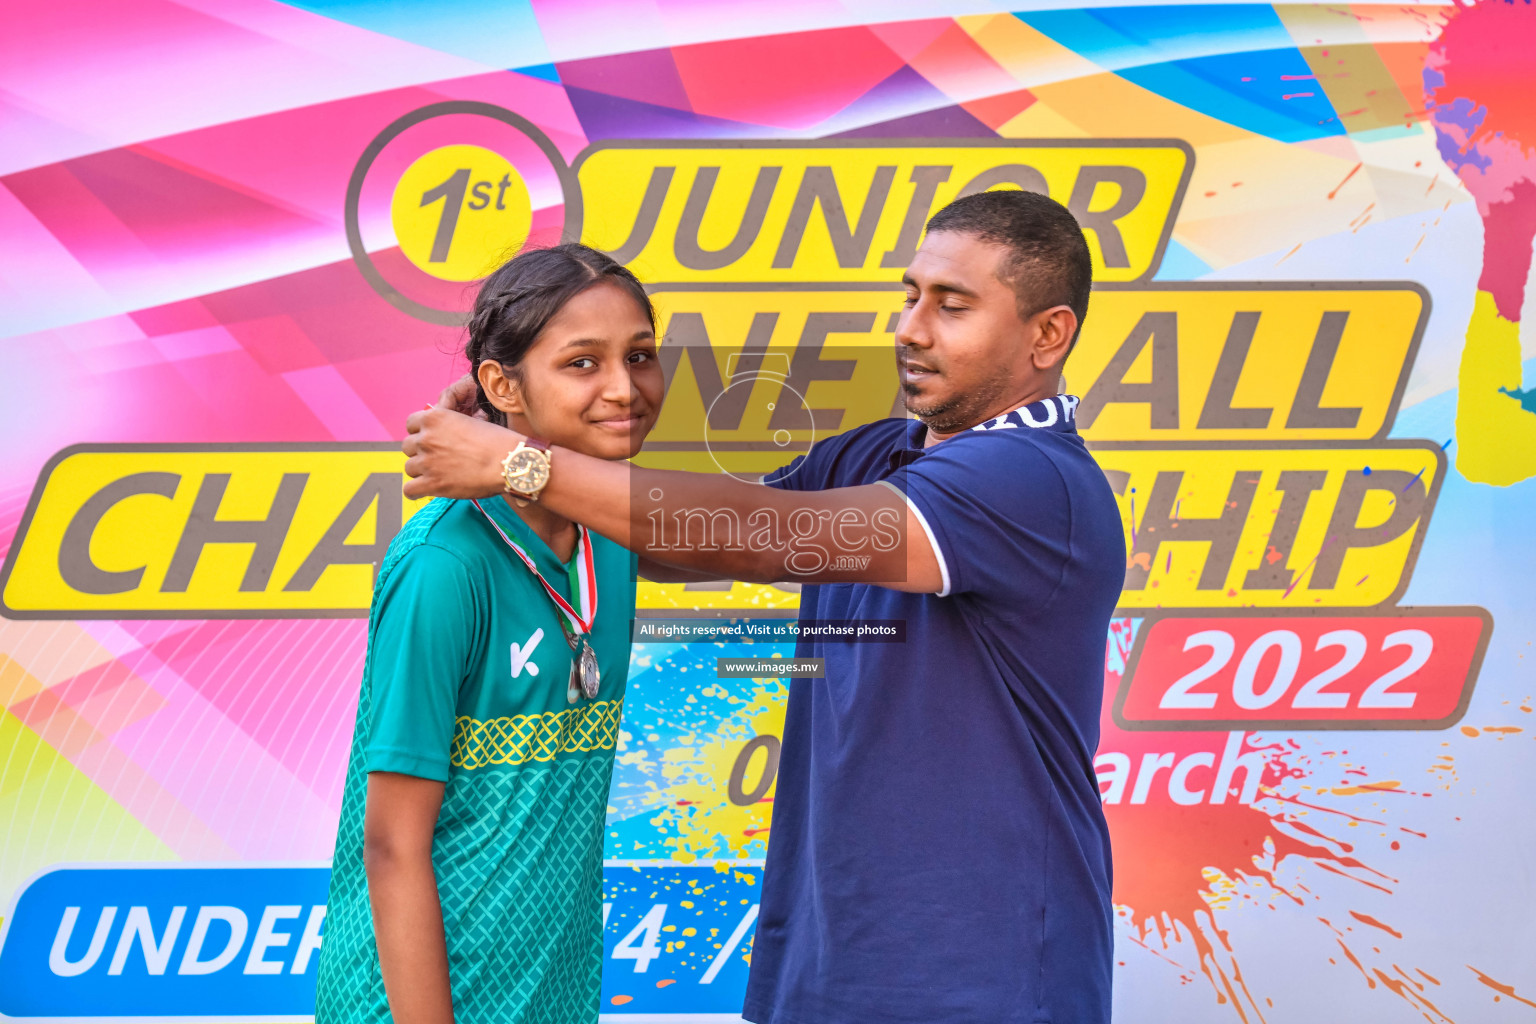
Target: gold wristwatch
<point>525,470</point>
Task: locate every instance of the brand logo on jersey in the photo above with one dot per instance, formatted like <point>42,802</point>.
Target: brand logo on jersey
<point>522,655</point>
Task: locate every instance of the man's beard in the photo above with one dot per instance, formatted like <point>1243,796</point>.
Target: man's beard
<point>955,413</point>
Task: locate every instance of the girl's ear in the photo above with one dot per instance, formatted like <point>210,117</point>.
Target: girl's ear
<point>504,391</point>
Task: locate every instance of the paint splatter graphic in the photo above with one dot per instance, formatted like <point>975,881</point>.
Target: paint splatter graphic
<point>1204,821</point>
<point>688,781</point>
<point>1477,92</point>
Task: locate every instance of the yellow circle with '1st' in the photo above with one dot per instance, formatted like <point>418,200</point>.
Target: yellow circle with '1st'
<point>460,211</point>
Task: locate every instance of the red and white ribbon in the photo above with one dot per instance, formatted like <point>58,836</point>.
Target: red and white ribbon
<point>580,622</point>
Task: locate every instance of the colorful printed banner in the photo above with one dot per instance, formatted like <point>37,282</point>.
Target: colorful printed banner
<point>236,244</point>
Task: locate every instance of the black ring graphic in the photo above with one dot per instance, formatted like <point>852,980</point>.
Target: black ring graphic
<point>570,231</point>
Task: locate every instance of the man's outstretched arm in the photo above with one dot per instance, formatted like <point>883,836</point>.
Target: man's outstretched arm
<point>695,521</point>
<point>663,572</point>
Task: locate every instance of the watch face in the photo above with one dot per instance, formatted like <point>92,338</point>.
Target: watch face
<point>528,471</point>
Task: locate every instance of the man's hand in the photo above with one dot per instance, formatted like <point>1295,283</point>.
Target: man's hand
<point>450,455</point>
<point>462,396</point>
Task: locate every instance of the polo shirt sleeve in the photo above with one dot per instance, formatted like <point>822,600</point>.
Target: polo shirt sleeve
<point>418,656</point>
<point>812,471</point>
<point>996,511</point>
<point>791,477</point>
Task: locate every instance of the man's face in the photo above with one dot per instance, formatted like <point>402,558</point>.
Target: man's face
<point>963,352</point>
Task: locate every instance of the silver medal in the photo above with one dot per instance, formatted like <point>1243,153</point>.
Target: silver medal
<point>573,683</point>
<point>590,677</point>
<point>585,677</point>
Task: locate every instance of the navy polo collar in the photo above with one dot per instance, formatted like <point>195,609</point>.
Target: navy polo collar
<point>1058,414</point>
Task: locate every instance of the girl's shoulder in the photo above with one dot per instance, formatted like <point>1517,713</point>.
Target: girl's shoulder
<point>440,525</point>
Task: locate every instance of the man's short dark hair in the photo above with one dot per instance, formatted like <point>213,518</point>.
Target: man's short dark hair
<point>1047,262</point>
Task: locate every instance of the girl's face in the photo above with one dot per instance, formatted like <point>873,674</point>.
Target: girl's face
<point>590,382</point>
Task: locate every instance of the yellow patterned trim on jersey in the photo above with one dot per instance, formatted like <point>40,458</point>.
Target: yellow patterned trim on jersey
<point>519,739</point>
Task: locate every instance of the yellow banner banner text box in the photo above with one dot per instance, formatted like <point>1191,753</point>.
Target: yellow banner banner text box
<point>159,531</point>
<point>156,531</point>
<point>854,211</point>
<point>756,376</point>
<point>1226,527</point>
<point>1243,361</point>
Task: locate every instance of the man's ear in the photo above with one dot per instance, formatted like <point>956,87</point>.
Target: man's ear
<point>502,389</point>
<point>1056,327</point>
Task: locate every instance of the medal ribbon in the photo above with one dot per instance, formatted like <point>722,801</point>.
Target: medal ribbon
<point>586,576</point>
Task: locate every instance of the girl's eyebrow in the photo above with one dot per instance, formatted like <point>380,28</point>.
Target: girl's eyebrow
<point>598,342</point>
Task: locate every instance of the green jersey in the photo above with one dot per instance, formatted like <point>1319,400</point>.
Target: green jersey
<point>465,683</point>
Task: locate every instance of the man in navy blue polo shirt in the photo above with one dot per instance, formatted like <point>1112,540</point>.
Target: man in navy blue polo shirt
<point>939,851</point>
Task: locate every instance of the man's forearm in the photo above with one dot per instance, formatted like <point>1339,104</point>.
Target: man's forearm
<point>711,523</point>
<point>461,457</point>
<point>650,511</point>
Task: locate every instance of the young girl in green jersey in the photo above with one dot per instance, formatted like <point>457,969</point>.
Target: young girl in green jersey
<point>467,881</point>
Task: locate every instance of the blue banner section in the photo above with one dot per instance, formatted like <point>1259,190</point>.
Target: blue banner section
<point>244,942</point>
<point>165,941</point>
<point>678,939</point>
